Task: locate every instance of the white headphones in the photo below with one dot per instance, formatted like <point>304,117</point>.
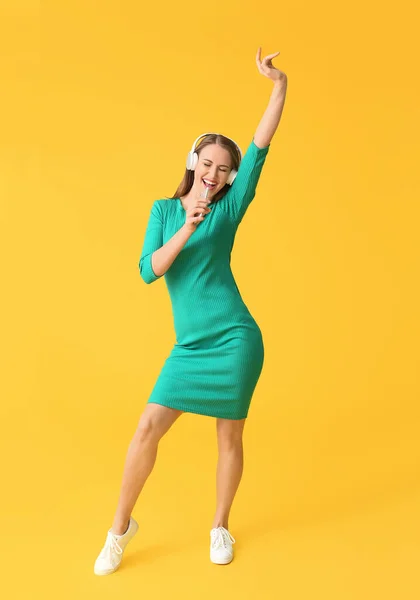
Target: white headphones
<point>192,158</point>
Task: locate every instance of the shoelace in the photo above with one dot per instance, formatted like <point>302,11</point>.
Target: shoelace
<point>112,544</point>
<point>222,537</point>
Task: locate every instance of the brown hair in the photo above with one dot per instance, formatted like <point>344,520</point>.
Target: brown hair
<point>188,179</point>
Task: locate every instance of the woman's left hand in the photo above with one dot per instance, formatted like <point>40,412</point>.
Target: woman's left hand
<point>267,69</point>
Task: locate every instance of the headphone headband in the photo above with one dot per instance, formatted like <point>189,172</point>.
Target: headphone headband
<point>214,133</point>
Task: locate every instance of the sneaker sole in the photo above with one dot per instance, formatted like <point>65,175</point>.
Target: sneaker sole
<point>106,572</point>
<point>221,562</point>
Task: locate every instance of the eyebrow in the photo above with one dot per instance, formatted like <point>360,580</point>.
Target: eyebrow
<point>219,165</point>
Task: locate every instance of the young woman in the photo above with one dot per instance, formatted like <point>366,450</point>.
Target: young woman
<point>218,356</point>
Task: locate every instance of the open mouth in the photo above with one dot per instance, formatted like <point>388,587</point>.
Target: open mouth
<point>208,184</point>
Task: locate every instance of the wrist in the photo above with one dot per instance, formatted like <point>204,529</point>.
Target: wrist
<point>187,229</point>
<point>280,84</point>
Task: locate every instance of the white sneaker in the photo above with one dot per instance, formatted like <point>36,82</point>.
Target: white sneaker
<point>111,554</point>
<point>221,551</point>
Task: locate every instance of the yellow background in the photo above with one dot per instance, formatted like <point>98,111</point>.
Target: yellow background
<point>100,103</point>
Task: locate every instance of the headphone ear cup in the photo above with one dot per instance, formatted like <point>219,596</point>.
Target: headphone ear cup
<point>192,160</point>
<point>231,177</point>
<point>195,161</point>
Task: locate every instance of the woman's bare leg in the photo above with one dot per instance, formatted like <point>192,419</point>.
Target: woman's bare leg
<point>229,467</point>
<point>141,457</point>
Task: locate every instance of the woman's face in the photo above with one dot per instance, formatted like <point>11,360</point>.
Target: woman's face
<point>213,167</point>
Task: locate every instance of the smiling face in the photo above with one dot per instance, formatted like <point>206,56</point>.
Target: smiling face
<point>213,167</point>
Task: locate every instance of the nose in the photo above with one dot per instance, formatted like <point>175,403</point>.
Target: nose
<point>213,172</point>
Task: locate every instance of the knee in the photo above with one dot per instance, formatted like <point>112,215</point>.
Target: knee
<point>230,442</point>
<point>146,432</point>
<point>230,434</point>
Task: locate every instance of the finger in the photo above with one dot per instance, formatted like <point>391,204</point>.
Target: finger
<point>267,60</point>
<point>258,57</point>
<point>199,210</point>
<point>270,56</point>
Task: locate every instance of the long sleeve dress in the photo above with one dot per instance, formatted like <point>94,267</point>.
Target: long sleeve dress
<point>218,356</point>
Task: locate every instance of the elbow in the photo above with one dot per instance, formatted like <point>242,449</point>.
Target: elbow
<point>146,269</point>
<point>146,278</point>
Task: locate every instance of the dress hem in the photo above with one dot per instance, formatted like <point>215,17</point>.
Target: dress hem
<point>195,412</point>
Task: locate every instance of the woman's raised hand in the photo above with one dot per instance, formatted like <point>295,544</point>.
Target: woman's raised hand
<point>266,67</point>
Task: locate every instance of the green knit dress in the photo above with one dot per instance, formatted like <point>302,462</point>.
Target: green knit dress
<point>217,359</point>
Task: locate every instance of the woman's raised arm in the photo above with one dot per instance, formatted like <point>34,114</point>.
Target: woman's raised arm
<point>271,117</point>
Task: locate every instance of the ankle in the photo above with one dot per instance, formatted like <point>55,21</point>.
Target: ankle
<point>120,528</point>
<point>217,524</point>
